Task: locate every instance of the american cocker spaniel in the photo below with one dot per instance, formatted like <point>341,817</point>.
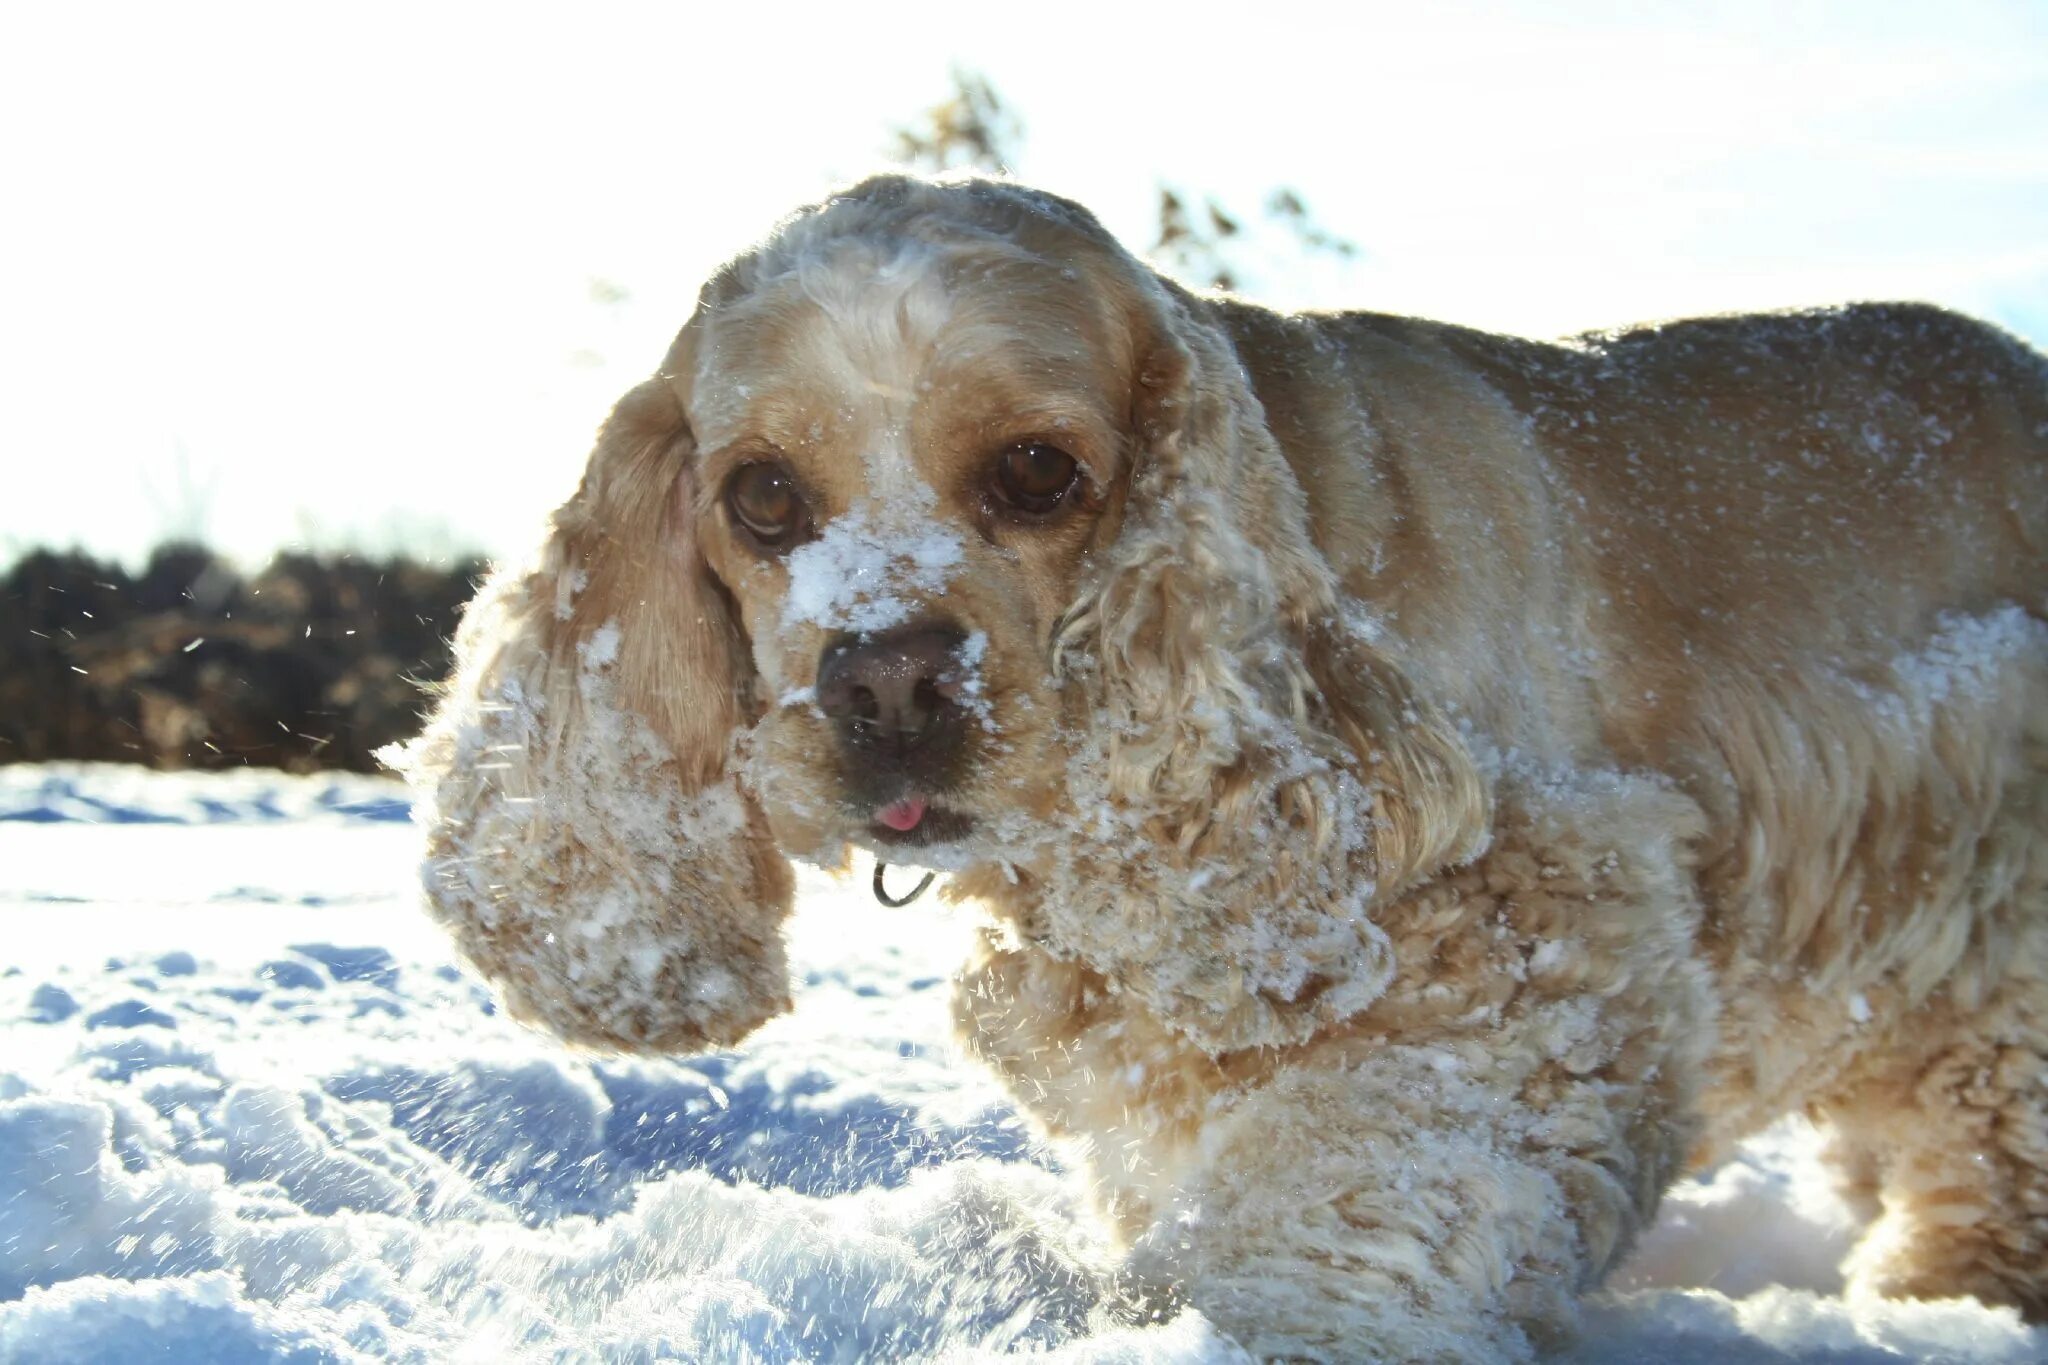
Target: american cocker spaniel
<point>1426,788</point>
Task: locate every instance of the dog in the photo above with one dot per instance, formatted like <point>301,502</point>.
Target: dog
<point>1426,789</point>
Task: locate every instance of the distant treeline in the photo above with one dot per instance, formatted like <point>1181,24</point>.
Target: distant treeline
<point>312,663</point>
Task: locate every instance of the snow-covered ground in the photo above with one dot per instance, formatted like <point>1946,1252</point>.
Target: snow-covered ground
<point>251,1110</point>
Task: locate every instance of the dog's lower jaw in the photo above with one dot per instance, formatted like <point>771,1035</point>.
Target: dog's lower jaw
<point>1446,1196</point>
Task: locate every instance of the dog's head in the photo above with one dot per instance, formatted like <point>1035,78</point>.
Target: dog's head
<point>950,531</point>
<point>911,419</point>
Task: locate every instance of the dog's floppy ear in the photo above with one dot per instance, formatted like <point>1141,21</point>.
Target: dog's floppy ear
<point>1431,806</point>
<point>1286,775</point>
<point>590,845</point>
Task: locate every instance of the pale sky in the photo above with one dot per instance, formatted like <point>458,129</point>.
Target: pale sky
<point>283,275</point>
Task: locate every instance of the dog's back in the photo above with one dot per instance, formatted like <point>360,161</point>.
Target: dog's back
<point>1818,482</point>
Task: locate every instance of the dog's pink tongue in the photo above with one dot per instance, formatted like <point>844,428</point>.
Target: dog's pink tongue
<point>903,815</point>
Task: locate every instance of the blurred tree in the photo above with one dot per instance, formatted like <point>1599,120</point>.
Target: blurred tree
<point>1204,243</point>
<point>1284,206</point>
<point>314,663</point>
<point>1198,239</point>
<point>185,509</point>
<point>1192,242</point>
<point>970,130</point>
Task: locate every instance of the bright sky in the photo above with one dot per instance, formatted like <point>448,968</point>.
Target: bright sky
<point>291,274</point>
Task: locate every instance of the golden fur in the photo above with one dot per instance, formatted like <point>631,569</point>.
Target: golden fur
<point>1433,786</point>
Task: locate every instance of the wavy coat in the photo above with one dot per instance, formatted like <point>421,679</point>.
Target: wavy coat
<point>1433,786</point>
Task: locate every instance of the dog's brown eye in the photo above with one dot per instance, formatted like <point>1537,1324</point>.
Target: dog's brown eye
<point>1032,476</point>
<point>764,499</point>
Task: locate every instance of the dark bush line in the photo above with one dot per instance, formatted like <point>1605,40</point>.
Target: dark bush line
<point>312,663</point>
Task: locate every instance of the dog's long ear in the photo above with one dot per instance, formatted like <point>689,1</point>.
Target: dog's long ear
<point>1286,775</point>
<point>589,843</point>
<point>1431,806</point>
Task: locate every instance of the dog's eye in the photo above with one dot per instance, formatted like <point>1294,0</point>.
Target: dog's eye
<point>1032,476</point>
<point>764,499</point>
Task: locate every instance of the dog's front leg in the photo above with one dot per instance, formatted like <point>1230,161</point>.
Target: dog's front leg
<point>1400,1192</point>
<point>1440,1177</point>
<point>1406,1206</point>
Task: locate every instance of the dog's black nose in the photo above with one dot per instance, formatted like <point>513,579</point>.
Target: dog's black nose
<point>896,694</point>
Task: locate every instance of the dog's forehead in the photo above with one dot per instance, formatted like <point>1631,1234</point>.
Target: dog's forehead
<point>858,346</point>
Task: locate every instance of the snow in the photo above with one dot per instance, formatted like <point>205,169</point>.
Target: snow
<point>866,571</point>
<point>251,1110</point>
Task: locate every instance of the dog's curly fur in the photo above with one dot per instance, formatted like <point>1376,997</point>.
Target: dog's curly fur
<point>1432,786</point>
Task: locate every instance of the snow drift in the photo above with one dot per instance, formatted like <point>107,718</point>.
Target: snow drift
<point>250,1110</point>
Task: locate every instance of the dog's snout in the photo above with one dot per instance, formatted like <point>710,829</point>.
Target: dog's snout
<point>895,693</point>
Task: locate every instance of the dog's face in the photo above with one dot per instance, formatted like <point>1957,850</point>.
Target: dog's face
<point>905,450</point>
